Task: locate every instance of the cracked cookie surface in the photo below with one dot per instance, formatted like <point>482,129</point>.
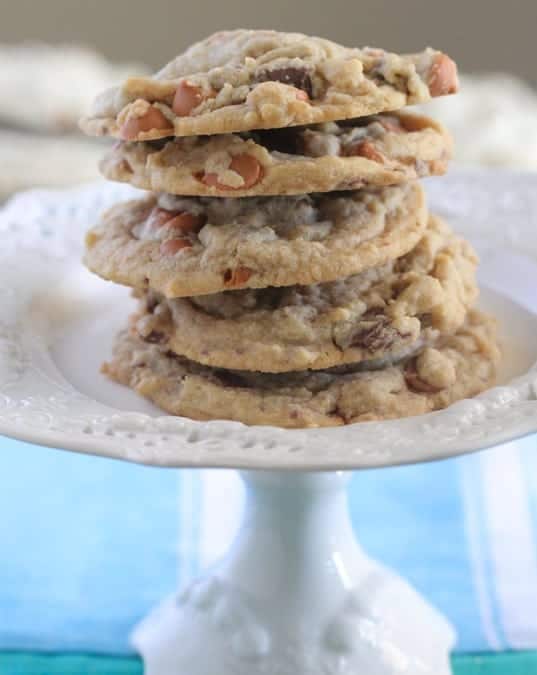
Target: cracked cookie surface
<point>384,149</point>
<point>382,312</point>
<point>459,366</point>
<point>259,79</point>
<point>198,245</point>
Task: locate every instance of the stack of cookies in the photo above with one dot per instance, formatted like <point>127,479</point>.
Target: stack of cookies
<point>286,267</point>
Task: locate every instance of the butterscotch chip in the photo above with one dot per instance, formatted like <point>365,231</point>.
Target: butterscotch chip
<point>151,120</point>
<point>384,149</point>
<point>257,79</point>
<point>255,242</point>
<point>369,391</point>
<point>384,312</point>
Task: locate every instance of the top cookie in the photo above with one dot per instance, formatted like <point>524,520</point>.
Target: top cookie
<point>256,79</point>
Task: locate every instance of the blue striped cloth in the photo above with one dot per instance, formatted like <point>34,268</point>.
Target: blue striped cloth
<point>88,545</point>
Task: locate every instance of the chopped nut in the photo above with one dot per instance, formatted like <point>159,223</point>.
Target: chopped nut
<point>430,372</point>
<point>414,383</point>
<point>435,368</point>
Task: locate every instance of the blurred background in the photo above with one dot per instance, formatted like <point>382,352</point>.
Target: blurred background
<point>483,35</point>
<point>65,51</point>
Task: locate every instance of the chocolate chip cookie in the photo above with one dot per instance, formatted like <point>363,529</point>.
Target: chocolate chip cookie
<point>384,149</point>
<point>386,311</point>
<point>459,366</point>
<point>198,245</point>
<point>285,264</point>
<point>259,79</point>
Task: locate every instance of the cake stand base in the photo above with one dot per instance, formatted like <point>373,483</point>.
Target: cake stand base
<point>296,595</point>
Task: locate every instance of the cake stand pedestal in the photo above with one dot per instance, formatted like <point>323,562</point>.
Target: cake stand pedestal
<point>295,594</point>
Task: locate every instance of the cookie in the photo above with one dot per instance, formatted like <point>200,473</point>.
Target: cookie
<point>387,310</point>
<point>383,149</point>
<point>198,245</point>
<point>257,79</point>
<point>459,366</point>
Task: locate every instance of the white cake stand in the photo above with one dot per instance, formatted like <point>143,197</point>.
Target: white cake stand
<point>296,593</point>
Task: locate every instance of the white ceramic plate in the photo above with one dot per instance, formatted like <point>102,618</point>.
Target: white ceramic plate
<point>57,323</point>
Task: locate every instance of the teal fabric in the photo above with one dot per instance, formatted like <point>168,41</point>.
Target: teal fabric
<point>20,663</point>
<point>16,663</point>
<point>89,546</point>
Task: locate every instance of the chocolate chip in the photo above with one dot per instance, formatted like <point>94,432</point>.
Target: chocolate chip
<point>296,77</point>
<point>375,335</point>
<point>279,140</point>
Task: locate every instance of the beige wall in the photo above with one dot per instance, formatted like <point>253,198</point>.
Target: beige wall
<point>481,34</point>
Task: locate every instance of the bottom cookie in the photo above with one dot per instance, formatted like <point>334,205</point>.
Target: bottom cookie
<point>458,367</point>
